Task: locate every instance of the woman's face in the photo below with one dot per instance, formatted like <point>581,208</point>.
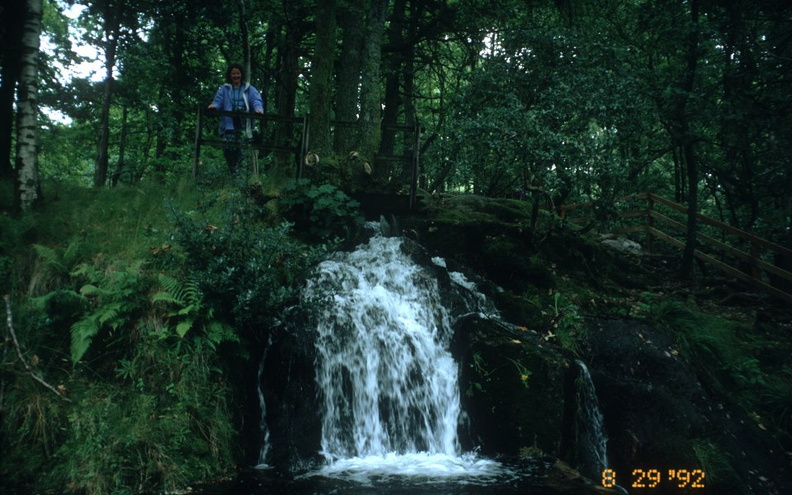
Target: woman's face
<point>236,77</point>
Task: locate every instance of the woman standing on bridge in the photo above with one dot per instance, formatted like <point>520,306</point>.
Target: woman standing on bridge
<point>236,95</point>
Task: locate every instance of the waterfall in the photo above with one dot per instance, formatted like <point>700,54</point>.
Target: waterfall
<point>389,385</point>
<point>388,379</point>
<point>591,439</point>
<point>265,434</point>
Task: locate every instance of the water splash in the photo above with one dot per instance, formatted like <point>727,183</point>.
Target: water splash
<point>390,393</point>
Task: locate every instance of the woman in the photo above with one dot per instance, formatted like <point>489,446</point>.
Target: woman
<point>236,95</point>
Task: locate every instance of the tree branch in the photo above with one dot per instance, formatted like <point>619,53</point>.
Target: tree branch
<point>10,322</point>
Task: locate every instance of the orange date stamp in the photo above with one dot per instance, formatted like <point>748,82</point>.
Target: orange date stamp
<point>654,478</point>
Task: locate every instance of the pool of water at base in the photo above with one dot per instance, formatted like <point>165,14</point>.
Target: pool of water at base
<point>530,478</point>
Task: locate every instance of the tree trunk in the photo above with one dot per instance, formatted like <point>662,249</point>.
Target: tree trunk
<point>691,161</point>
<point>245,32</point>
<point>122,148</point>
<point>289,37</point>
<point>321,93</point>
<point>112,23</point>
<point>12,14</point>
<point>28,183</point>
<point>370,93</point>
<point>348,74</point>
<point>394,62</point>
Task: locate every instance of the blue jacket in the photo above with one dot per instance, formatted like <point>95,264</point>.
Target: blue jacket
<point>222,101</point>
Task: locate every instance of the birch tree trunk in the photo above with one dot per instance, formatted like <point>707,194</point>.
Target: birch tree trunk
<point>28,184</point>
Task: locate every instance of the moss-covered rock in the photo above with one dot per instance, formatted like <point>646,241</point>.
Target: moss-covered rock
<point>512,388</point>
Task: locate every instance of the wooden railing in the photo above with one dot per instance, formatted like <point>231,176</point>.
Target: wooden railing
<point>296,146</point>
<point>293,131</point>
<point>754,263</point>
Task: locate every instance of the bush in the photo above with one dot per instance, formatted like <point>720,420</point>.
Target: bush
<point>320,213</point>
<point>248,269</point>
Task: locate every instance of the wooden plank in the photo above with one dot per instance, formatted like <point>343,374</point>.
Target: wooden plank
<point>219,143</point>
<point>722,266</point>
<point>725,227</point>
<point>742,276</point>
<point>755,261</point>
<point>667,220</point>
<point>633,214</point>
<point>665,237</point>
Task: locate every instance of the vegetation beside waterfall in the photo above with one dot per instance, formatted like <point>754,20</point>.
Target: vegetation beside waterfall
<point>143,315</point>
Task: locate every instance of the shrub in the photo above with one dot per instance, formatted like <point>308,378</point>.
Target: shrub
<point>320,213</point>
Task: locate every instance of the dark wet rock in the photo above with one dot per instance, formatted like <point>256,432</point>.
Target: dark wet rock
<point>292,403</point>
<point>659,416</point>
<point>512,389</point>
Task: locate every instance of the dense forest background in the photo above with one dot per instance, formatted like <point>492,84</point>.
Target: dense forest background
<point>563,101</point>
<point>585,100</point>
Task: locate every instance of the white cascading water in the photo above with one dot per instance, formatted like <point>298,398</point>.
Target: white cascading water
<point>593,442</point>
<point>265,434</point>
<point>390,393</point>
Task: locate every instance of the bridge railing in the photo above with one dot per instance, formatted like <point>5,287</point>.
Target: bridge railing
<point>740,254</point>
<point>291,134</point>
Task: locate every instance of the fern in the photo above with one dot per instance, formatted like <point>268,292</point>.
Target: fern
<point>189,312</point>
<point>82,333</point>
<point>178,292</point>
<point>51,257</point>
<point>116,299</point>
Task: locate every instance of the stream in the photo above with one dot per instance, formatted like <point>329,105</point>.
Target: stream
<point>388,386</point>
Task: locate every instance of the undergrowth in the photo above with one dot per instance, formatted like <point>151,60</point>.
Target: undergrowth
<point>136,305</point>
<point>728,357</point>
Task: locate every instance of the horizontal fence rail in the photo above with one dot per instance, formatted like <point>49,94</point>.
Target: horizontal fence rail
<point>752,265</point>
<point>287,141</point>
<point>258,144</point>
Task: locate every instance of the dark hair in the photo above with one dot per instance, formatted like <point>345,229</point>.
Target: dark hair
<point>235,66</point>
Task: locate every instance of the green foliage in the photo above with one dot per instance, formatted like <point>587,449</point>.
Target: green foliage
<point>566,323</point>
<point>11,243</point>
<point>714,462</point>
<point>321,212</point>
<point>166,425</point>
<point>776,397</point>
<point>30,433</point>
<point>249,269</point>
<point>712,342</point>
<point>190,312</point>
<point>117,297</point>
<point>478,365</point>
<point>524,372</point>
<point>125,221</point>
